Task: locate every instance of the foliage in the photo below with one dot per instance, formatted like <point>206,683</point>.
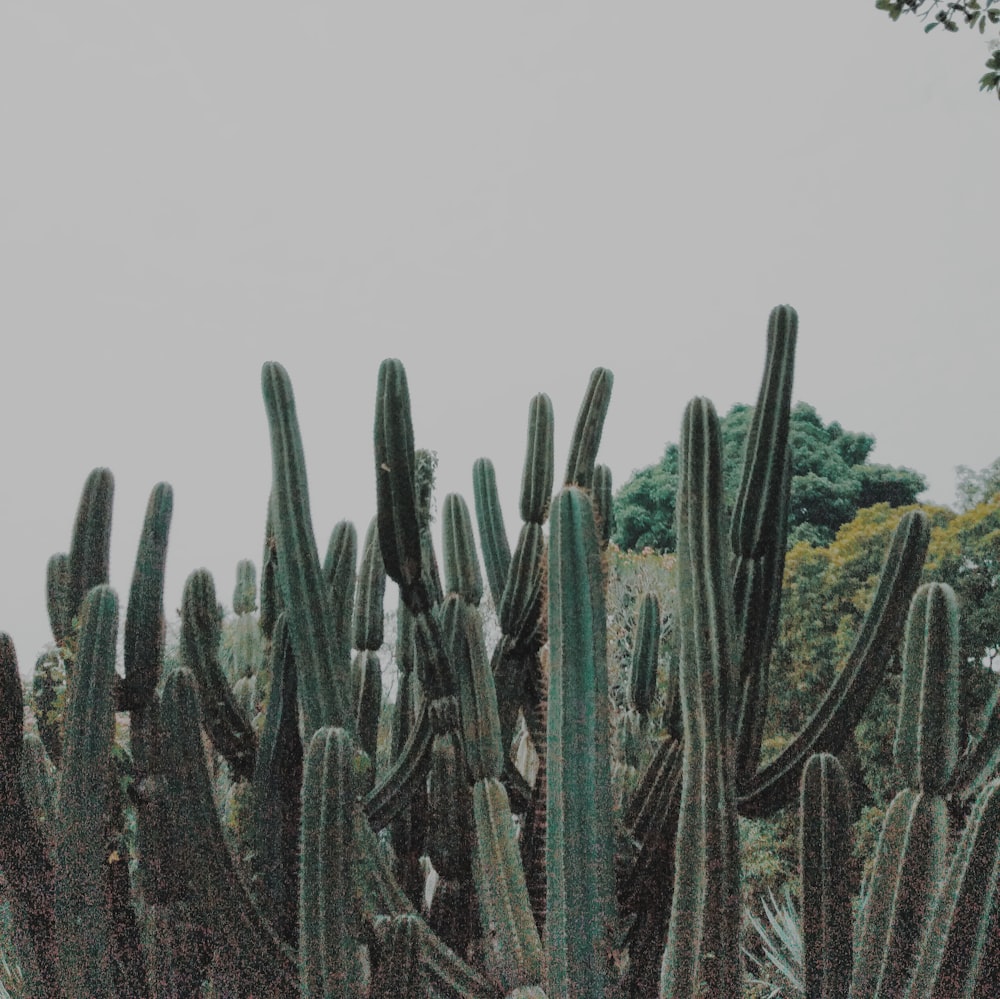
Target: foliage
<point>949,14</point>
<point>831,480</point>
<point>777,957</point>
<point>975,487</point>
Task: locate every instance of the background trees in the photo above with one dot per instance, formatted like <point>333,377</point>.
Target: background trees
<point>832,480</point>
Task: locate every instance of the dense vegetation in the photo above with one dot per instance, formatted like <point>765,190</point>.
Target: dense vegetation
<point>571,802</point>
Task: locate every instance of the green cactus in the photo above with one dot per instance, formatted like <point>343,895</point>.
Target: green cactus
<point>229,726</point>
<point>330,949</point>
<point>82,917</point>
<point>703,950</point>
<point>245,593</point>
<point>489,519</point>
<point>910,860</point>
<point>825,852</point>
<point>580,921</point>
<point>323,682</point>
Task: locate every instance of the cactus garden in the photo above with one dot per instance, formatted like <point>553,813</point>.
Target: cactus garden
<point>542,809</point>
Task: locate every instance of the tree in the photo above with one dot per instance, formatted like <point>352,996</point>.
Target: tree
<point>831,481</point>
<point>975,487</point>
<point>949,13</point>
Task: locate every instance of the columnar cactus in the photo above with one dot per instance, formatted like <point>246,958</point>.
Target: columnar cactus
<point>544,889</point>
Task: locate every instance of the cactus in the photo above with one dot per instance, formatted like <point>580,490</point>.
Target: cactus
<point>581,919</point>
<point>330,955</point>
<point>323,683</point>
<point>703,940</point>
<point>825,851</point>
<point>910,859</point>
<point>81,860</point>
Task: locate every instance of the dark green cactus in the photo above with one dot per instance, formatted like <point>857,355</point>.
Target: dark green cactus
<point>601,496</point>
<point>851,691</point>
<point>330,955</point>
<point>340,573</point>
<point>82,916</point>
<point>703,939</point>
<point>368,627</point>
<point>539,461</point>
<point>395,469</point>
<point>645,655</point>
<point>90,549</point>
<point>825,847</point>
<point>581,921</point>
<point>230,728</point>
<point>960,951</point>
<point>277,782</point>
<point>323,681</point>
<point>758,536</point>
<point>245,592</point>
<point>910,859</point>
<point>589,427</point>
<point>461,567</point>
<point>489,519</point>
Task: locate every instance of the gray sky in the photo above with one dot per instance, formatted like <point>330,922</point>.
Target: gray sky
<point>502,195</point>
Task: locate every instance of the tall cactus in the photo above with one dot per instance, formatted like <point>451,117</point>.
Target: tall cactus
<point>703,940</point>
<point>581,918</point>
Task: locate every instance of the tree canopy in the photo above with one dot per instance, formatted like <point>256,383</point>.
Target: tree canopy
<point>831,480</point>
<point>949,14</point>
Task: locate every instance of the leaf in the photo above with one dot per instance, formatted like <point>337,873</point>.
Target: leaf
<point>930,27</point>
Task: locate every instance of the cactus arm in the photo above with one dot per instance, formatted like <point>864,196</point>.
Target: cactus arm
<point>489,518</point>
<point>395,468</point>
<point>760,498</point>
<point>90,549</point>
<point>368,624</point>
<point>323,685</point>
<point>703,939</point>
<point>589,427</point>
<point>277,782</point>
<point>383,894</point>
<point>539,461</point>
<point>81,857</point>
<point>854,686</point>
<point>825,851</point>
<point>329,915</point>
<point>144,627</point>
<point>645,655</point>
<point>229,727</point>
<point>579,852</point>
<point>340,572</point>
<point>601,494</point>
<point>461,567</point>
<point>759,533</point>
<point>58,597</point>
<point>516,952</point>
<point>392,792</point>
<point>250,959</point>
<point>24,860</point>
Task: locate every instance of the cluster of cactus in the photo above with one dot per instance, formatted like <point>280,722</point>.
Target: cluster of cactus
<point>451,870</point>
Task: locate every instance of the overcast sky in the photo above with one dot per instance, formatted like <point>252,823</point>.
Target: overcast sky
<point>504,196</point>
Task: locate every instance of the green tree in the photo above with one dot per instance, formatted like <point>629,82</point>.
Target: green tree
<point>831,480</point>
<point>950,14</point>
<point>975,487</point>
